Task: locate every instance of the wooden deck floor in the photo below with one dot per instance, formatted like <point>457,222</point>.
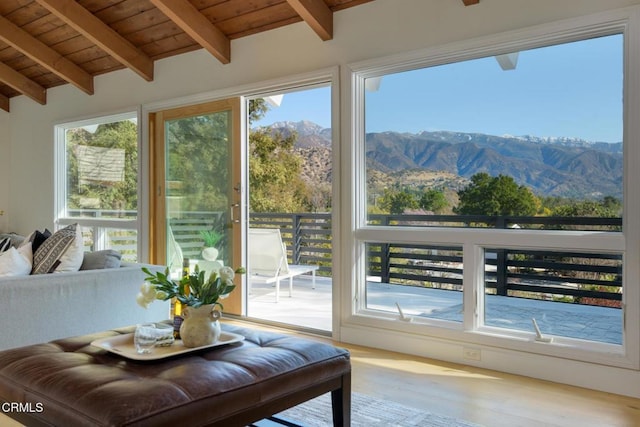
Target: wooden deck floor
<point>311,308</point>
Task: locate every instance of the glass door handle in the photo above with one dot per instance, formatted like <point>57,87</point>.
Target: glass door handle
<point>231,209</point>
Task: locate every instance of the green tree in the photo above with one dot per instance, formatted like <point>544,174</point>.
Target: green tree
<point>397,201</point>
<point>607,207</point>
<point>120,194</point>
<point>433,200</point>
<point>274,169</point>
<point>198,157</point>
<point>501,195</point>
<point>613,205</point>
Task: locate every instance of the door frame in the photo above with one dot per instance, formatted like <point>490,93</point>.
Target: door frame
<point>157,238</point>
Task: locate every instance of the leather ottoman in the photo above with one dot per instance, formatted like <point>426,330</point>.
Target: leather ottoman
<point>72,383</point>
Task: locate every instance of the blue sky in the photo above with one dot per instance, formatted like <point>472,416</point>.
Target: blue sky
<point>569,90</point>
<point>312,104</point>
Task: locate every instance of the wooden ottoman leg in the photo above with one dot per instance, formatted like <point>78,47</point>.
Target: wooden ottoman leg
<point>341,403</point>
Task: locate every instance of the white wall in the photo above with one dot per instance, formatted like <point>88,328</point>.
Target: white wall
<point>372,30</point>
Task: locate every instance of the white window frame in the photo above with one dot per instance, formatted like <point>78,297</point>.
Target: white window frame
<point>100,226</point>
<point>470,331</point>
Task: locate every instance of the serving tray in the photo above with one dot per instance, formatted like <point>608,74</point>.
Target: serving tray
<point>122,345</point>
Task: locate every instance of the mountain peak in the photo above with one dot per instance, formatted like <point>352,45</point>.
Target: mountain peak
<point>550,166</point>
<point>303,127</point>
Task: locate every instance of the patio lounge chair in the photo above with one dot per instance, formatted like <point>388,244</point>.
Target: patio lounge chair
<point>268,260</point>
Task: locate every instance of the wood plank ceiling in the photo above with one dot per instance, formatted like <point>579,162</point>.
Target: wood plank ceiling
<point>48,43</point>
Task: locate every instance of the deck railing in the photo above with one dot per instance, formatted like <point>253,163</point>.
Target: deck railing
<point>585,278</point>
<point>306,235</point>
<point>561,276</point>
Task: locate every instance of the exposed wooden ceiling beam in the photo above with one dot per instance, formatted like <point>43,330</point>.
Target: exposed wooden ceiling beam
<point>83,21</point>
<point>45,56</point>
<point>316,14</point>
<point>4,103</point>
<point>470,2</point>
<point>22,84</point>
<point>197,26</point>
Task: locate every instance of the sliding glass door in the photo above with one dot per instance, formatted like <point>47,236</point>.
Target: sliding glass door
<point>195,189</point>
<point>290,171</point>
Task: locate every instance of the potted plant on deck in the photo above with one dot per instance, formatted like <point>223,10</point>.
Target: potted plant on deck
<point>211,238</point>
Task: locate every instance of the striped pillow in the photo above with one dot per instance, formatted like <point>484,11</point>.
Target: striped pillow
<point>5,244</point>
<point>47,257</point>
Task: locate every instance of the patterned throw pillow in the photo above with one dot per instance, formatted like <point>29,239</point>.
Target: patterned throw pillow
<point>47,257</point>
<point>5,244</point>
<point>71,259</point>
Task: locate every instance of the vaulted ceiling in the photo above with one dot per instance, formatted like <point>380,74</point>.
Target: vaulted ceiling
<point>47,43</point>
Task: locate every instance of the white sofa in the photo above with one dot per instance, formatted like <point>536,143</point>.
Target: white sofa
<point>41,308</point>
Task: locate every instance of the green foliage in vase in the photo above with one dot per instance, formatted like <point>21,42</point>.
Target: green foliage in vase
<point>193,290</point>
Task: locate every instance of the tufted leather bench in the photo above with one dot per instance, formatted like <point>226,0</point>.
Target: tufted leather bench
<point>68,382</point>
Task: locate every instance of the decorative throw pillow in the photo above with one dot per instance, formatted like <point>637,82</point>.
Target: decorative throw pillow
<point>16,239</point>
<point>36,239</point>
<point>5,244</point>
<point>12,263</point>
<point>96,260</point>
<point>71,259</point>
<point>27,253</point>
<point>47,257</point>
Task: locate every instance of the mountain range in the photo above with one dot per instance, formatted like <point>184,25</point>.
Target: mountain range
<point>550,166</point>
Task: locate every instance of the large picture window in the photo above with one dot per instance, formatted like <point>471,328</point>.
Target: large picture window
<point>97,181</point>
<point>491,194</point>
<point>535,134</point>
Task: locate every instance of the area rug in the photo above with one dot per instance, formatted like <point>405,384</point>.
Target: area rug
<point>367,411</point>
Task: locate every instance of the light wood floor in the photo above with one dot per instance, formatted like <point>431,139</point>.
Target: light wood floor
<point>490,398</point>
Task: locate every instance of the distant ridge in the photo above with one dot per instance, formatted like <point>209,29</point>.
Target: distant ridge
<point>550,166</point>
